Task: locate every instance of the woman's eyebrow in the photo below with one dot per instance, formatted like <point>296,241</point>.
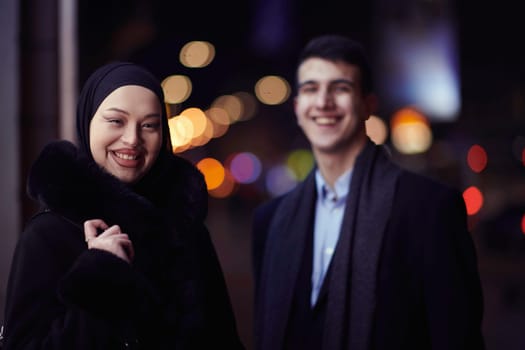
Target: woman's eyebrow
<point>115,109</point>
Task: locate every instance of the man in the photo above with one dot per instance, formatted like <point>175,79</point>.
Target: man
<point>362,254</point>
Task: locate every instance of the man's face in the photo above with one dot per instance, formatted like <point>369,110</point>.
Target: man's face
<point>330,106</point>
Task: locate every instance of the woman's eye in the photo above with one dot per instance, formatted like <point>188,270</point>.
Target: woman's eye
<point>115,121</point>
<point>152,126</point>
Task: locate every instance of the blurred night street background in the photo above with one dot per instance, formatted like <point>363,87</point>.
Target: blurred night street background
<point>450,76</point>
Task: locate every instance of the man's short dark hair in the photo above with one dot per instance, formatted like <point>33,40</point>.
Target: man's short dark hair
<point>340,48</point>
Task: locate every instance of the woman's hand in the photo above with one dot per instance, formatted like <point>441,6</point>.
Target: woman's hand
<point>111,239</point>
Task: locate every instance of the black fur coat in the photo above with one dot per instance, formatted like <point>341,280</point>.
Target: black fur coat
<point>63,296</point>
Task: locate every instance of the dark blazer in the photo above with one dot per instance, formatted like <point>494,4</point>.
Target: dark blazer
<point>63,296</point>
<point>404,274</point>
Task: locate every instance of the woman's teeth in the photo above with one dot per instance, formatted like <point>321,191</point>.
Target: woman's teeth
<point>126,156</point>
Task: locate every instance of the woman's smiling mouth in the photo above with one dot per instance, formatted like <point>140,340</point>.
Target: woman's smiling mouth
<point>126,156</point>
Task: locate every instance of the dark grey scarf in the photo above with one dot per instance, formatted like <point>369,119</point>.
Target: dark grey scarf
<point>352,281</point>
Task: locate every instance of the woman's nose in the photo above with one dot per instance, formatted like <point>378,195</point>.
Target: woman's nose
<point>131,135</point>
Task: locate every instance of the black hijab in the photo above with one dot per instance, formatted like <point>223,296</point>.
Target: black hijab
<point>104,81</point>
<point>168,171</point>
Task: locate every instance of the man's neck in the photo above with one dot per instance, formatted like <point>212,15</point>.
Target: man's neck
<point>333,165</point>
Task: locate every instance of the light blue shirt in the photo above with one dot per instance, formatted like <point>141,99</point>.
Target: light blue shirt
<point>329,213</point>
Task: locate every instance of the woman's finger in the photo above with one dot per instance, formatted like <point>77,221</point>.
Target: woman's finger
<point>91,228</point>
<point>112,230</point>
<point>127,245</point>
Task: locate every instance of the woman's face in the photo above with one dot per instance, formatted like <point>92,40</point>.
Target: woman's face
<point>125,134</point>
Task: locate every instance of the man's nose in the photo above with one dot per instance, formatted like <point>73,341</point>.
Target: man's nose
<point>324,99</point>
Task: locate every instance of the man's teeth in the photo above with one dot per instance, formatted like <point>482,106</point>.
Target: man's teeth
<point>325,120</point>
<point>125,156</point>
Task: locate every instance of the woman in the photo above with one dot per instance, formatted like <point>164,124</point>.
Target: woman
<point>119,256</point>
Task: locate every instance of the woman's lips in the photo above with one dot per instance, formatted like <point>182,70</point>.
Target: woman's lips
<point>127,159</point>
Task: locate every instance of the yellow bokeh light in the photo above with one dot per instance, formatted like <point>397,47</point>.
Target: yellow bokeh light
<point>213,172</point>
<point>206,135</point>
<point>197,54</point>
<point>411,133</point>
<point>177,89</point>
<point>218,115</point>
<point>220,120</point>
<point>181,131</point>
<point>249,103</point>
<point>198,120</point>
<point>300,162</point>
<point>272,90</point>
<point>376,129</point>
<point>232,105</point>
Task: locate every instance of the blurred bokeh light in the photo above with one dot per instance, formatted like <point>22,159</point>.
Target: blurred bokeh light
<point>376,129</point>
<point>213,171</point>
<point>300,162</point>
<point>232,105</point>
<point>473,200</point>
<point>226,188</point>
<point>245,167</point>
<point>279,180</point>
<point>477,158</point>
<point>272,90</point>
<point>177,89</point>
<point>197,54</point>
<point>410,131</point>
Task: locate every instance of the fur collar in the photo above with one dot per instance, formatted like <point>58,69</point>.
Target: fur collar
<point>65,181</point>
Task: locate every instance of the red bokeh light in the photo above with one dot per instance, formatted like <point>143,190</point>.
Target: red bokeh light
<point>473,200</point>
<point>477,158</point>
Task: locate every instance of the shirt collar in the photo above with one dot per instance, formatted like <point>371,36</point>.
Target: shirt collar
<point>342,186</point>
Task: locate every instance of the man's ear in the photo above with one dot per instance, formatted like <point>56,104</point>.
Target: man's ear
<point>295,109</point>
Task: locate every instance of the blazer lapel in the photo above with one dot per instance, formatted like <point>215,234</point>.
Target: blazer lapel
<point>285,245</point>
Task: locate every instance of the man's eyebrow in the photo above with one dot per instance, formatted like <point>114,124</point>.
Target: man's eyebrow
<point>331,82</point>
<point>343,81</point>
<point>306,82</point>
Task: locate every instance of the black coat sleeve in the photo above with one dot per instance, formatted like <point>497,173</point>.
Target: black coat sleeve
<point>61,295</point>
<point>218,310</point>
<point>453,295</point>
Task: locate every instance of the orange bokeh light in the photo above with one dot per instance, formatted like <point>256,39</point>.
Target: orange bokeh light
<point>213,172</point>
<point>410,131</point>
<point>226,188</point>
<point>408,115</point>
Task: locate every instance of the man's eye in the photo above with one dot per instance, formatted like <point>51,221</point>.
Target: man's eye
<point>308,89</point>
<point>342,88</point>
